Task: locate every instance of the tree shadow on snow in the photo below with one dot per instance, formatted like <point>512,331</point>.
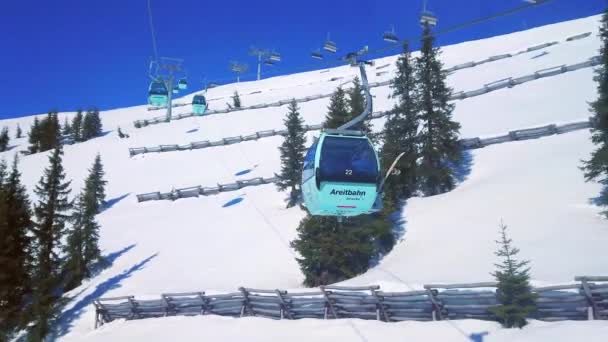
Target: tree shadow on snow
<point>233,202</point>
<point>192,130</point>
<point>108,260</point>
<point>67,318</point>
<point>601,200</point>
<point>246,171</point>
<point>111,202</point>
<point>10,148</point>
<point>462,169</point>
<point>399,224</point>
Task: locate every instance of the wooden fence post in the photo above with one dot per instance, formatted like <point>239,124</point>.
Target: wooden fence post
<point>380,309</point>
<point>589,295</point>
<point>245,309</point>
<point>437,315</point>
<point>284,305</point>
<point>328,303</point>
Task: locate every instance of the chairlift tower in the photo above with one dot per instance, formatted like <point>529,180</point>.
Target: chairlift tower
<point>238,69</point>
<point>264,56</point>
<point>167,71</point>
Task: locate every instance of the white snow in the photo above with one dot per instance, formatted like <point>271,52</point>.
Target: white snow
<point>260,329</point>
<point>198,244</point>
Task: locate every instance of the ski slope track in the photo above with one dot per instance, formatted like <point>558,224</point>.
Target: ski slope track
<point>217,243</point>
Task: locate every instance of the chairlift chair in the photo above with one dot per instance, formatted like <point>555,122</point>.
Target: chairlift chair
<point>275,57</point>
<point>316,54</point>
<point>390,36</point>
<point>428,18</point>
<point>330,46</point>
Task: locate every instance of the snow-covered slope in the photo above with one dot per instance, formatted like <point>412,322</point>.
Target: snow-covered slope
<point>207,244</point>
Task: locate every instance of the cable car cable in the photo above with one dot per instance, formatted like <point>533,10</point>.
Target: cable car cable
<point>327,63</point>
<point>152,31</point>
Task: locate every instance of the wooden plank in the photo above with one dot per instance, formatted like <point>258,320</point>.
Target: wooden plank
<point>352,288</point>
<point>115,298</point>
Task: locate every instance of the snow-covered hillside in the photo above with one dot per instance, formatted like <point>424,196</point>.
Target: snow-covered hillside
<point>204,244</point>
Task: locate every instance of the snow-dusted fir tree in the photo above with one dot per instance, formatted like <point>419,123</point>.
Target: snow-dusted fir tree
<point>51,211</point>
<point>514,291</point>
<point>74,269</point>
<point>438,138</point>
<point>596,168</point>
<point>95,184</point>
<point>401,130</point>
<point>236,100</point>
<point>67,129</point>
<point>292,153</point>
<point>91,125</point>
<point>331,251</point>
<point>15,262</point>
<point>82,248</point>
<point>19,132</point>
<point>34,136</point>
<point>49,132</point>
<point>77,126</point>
<point>338,111</point>
<point>4,139</point>
<point>356,105</point>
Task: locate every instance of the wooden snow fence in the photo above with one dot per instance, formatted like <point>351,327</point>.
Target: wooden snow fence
<point>195,191</point>
<point>585,300</point>
<point>472,64</point>
<point>467,144</point>
<point>508,82</point>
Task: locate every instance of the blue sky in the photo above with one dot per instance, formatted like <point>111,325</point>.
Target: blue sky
<point>69,54</point>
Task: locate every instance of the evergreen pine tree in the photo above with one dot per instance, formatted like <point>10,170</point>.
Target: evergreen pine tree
<point>292,153</point>
<point>514,290</point>
<point>332,251</point>
<point>596,168</point>
<point>121,135</point>
<point>438,138</point>
<point>67,129</point>
<point>4,139</point>
<point>51,213</point>
<point>400,132</point>
<point>82,248</point>
<point>15,261</point>
<point>49,132</point>
<point>3,172</point>
<point>91,125</point>
<point>77,126</point>
<point>74,269</point>
<point>95,185</point>
<point>338,111</point>
<point>236,100</point>
<point>356,104</point>
<point>19,132</point>
<point>34,136</point>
